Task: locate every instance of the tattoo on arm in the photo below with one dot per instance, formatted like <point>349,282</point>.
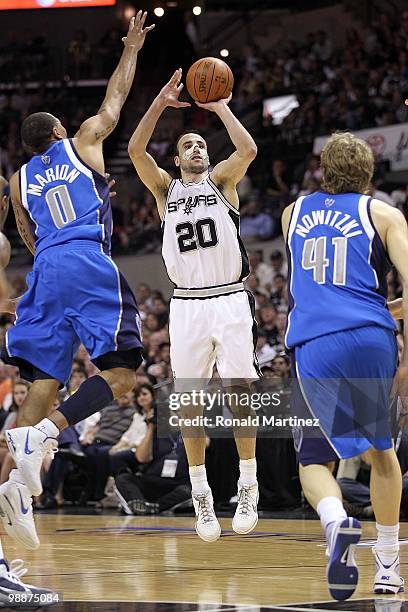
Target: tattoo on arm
<point>23,230</point>
<point>105,132</point>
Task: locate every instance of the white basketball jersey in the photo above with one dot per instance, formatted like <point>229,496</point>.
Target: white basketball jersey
<point>201,243</point>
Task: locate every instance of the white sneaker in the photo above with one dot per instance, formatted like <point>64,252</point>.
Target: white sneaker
<point>14,593</point>
<point>16,512</point>
<point>28,447</point>
<point>207,525</point>
<point>387,578</point>
<point>246,514</point>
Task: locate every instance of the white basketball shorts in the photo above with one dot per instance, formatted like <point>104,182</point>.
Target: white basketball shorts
<point>217,330</point>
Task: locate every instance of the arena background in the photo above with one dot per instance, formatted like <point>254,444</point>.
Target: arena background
<point>302,70</point>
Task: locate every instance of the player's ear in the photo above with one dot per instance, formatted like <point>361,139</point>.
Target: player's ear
<point>56,133</point>
<point>177,161</point>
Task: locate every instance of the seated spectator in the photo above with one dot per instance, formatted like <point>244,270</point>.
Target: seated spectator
<point>115,419</point>
<point>281,365</point>
<point>278,185</point>
<point>267,323</point>
<point>19,393</point>
<point>278,263</point>
<point>255,225</point>
<point>136,432</point>
<point>264,351</point>
<point>262,270</point>
<point>279,291</point>
<point>155,478</point>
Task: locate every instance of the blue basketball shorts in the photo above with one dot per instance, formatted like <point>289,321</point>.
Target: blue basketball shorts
<point>76,294</point>
<point>341,384</point>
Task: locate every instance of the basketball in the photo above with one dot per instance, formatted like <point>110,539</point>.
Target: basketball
<point>209,79</point>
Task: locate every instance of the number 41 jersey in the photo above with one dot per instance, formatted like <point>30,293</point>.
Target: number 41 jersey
<point>66,199</point>
<point>201,242</point>
<point>337,268</point>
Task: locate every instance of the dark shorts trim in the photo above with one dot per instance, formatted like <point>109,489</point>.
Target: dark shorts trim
<point>28,371</point>
<point>130,359</point>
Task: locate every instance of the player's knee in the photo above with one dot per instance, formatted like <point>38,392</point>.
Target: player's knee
<point>383,462</point>
<point>239,400</point>
<point>121,380</point>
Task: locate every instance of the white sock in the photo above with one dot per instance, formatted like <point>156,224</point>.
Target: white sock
<point>387,545</point>
<point>330,510</point>
<point>48,428</point>
<point>198,478</point>
<point>247,472</point>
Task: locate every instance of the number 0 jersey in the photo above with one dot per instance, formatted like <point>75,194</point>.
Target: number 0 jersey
<point>201,243</point>
<point>65,198</point>
<point>337,268</point>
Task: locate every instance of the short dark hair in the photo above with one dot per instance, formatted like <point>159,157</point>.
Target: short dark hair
<point>176,151</point>
<point>36,132</point>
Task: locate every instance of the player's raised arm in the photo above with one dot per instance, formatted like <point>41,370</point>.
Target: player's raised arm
<point>230,171</point>
<point>97,128</point>
<point>156,179</point>
<point>24,226</point>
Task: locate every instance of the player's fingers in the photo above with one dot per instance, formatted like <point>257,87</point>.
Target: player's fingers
<point>112,194</point>
<point>173,79</point>
<point>179,75</point>
<point>142,20</point>
<point>149,28</point>
<point>183,104</point>
<point>131,24</point>
<point>180,87</point>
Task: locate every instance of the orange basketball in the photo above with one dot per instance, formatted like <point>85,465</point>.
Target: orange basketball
<point>209,79</point>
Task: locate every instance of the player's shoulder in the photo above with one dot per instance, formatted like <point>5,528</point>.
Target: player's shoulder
<point>285,220</point>
<point>383,211</point>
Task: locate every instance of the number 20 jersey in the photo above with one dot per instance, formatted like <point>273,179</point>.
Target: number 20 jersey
<point>337,268</point>
<point>65,198</point>
<point>201,243</point>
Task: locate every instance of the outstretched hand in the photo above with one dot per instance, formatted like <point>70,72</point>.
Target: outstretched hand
<point>136,34</point>
<point>214,107</point>
<point>172,90</point>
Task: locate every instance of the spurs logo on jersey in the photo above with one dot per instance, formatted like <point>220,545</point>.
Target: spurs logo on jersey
<point>201,243</point>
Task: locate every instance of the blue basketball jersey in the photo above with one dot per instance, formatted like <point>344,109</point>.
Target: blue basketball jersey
<point>66,199</point>
<point>337,268</point>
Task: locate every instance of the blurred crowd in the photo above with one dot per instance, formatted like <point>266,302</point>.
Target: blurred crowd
<point>357,85</point>
<point>116,458</point>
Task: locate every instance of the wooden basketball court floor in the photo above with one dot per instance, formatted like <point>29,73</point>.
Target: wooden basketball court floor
<point>114,563</point>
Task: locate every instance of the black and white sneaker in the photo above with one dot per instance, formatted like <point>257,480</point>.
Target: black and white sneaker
<point>14,593</point>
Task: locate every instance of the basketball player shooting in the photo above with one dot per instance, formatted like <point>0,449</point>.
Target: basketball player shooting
<point>342,335</point>
<point>75,292</point>
<point>211,314</point>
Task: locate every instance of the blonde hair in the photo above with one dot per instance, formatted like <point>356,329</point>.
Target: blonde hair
<point>347,164</point>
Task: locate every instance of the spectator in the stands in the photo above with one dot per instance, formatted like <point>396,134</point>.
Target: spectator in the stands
<point>278,263</point>
<point>278,293</point>
<point>79,55</point>
<point>255,225</point>
<point>164,482</point>
<point>380,195</point>
<point>264,351</point>
<point>19,393</point>
<point>267,323</point>
<point>262,270</point>
<point>278,185</point>
<point>115,419</point>
<point>281,365</point>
